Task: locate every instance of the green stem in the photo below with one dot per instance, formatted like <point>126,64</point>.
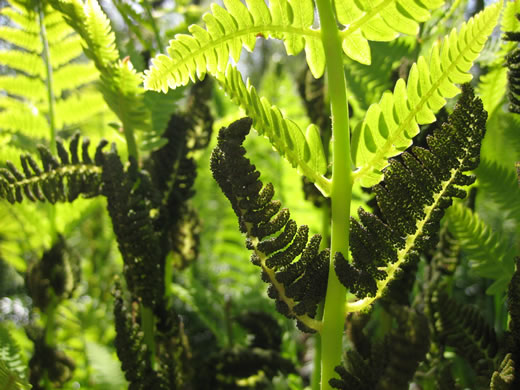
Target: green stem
<point>156,32</point>
<point>341,193</point>
<point>48,80</point>
<point>148,326</point>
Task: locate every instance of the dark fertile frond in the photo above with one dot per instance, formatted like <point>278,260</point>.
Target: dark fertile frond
<point>416,190</point>
<point>59,179</point>
<point>392,363</point>
<point>173,171</point>
<point>462,327</point>
<point>297,286</point>
<point>131,348</point>
<point>132,203</point>
<point>513,74</point>
<point>53,277</point>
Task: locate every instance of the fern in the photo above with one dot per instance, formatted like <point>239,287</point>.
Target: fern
<point>121,84</point>
<point>427,179</point>
<point>491,255</point>
<point>59,181</point>
<point>500,184</point>
<point>304,151</point>
<point>366,21</point>
<point>464,328</point>
<point>297,286</point>
<point>390,125</point>
<point>227,30</point>
<point>13,374</point>
<point>47,78</point>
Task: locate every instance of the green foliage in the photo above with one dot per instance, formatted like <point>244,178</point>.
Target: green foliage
<point>13,375</point>
<point>304,151</point>
<point>491,255</point>
<point>47,79</point>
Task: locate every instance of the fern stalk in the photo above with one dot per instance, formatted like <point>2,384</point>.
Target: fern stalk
<point>48,80</point>
<point>341,193</point>
<point>157,34</point>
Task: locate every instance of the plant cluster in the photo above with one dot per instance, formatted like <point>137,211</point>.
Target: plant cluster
<point>126,263</point>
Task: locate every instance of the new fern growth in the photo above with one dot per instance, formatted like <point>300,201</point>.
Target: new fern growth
<point>414,192</point>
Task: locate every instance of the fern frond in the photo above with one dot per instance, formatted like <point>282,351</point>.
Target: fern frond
<point>121,84</point>
<point>392,364</point>
<point>513,64</point>
<point>412,199</point>
<point>367,83</point>
<point>60,180</point>
<point>227,30</point>
<point>120,87</point>
<point>390,125</point>
<point>304,151</point>
<point>367,20</point>
<point>500,185</point>
<point>490,254</point>
<point>463,327</point>
<point>297,286</point>
<point>30,111</point>
<point>91,23</point>
<point>11,361</point>
<point>492,88</point>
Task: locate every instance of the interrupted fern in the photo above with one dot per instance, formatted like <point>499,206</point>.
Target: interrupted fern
<point>297,286</point>
<point>412,199</point>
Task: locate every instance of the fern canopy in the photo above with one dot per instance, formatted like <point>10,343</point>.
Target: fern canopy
<point>390,125</point>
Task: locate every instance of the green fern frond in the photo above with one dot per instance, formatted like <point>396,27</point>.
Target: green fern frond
<point>500,185</point>
<point>120,87</point>
<point>492,88</point>
<point>59,181</point>
<point>304,151</point>
<point>367,20</point>
<point>390,125</point>
<point>412,198</point>
<point>11,363</point>
<point>227,30</point>
<point>490,254</point>
<point>121,84</point>
<point>36,81</point>
<point>19,115</point>
<point>91,23</point>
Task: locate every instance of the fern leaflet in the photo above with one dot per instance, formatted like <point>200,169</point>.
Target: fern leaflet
<point>491,255</point>
<point>304,151</point>
<point>390,125</point>
<point>366,20</point>
<point>227,30</point>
